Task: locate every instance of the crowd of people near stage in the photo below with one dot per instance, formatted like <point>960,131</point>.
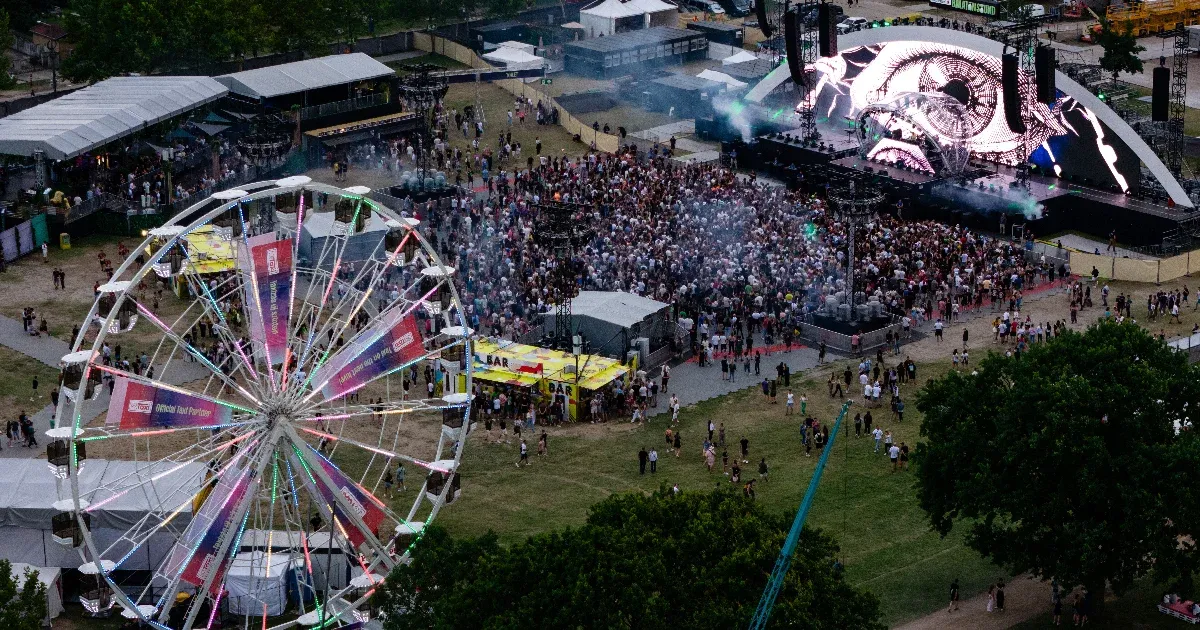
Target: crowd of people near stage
<point>734,255</point>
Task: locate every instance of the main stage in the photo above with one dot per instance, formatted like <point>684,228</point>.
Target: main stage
<point>919,113</point>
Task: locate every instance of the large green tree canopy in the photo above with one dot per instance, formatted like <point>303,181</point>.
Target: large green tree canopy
<point>1065,461</point>
<point>661,561</point>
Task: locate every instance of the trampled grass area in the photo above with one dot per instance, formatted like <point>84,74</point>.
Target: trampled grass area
<point>886,543</point>
<point>16,389</point>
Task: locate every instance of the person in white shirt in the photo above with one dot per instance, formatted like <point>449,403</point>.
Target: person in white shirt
<point>877,433</point>
<point>791,403</point>
<point>894,455</point>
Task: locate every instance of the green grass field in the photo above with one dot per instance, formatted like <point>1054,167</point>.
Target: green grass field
<point>887,546</point>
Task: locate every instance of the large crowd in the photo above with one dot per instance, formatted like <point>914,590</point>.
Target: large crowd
<point>727,250</point>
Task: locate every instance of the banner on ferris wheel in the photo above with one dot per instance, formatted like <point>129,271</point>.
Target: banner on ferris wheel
<point>194,556</point>
<point>269,263</point>
<point>365,506</point>
<point>137,405</point>
<point>372,355</point>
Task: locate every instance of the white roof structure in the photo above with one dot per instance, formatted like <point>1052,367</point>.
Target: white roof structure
<point>611,9</point>
<point>301,76</point>
<point>653,6</point>
<point>28,491</point>
<point>721,77</point>
<point>615,307</point>
<point>514,58</point>
<point>738,57</point>
<point>99,114</point>
<point>529,48</point>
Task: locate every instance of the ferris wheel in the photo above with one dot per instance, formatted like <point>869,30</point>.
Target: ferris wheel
<point>265,407</point>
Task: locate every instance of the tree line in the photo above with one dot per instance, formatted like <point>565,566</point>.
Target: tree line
<point>113,37</point>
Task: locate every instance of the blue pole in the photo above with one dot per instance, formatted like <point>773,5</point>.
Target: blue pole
<point>784,562</point>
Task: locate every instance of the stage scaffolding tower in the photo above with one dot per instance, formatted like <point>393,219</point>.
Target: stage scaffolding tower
<point>806,28</point>
<point>1179,72</point>
<point>561,228</point>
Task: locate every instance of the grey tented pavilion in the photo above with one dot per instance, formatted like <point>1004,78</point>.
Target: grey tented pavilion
<point>99,114</point>
<point>305,76</point>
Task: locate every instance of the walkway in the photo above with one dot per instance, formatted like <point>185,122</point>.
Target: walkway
<point>50,350</point>
<point>1024,598</point>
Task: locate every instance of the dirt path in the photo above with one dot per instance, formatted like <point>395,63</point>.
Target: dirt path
<point>1024,598</point>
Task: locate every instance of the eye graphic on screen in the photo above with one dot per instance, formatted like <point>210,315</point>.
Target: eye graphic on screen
<point>924,77</point>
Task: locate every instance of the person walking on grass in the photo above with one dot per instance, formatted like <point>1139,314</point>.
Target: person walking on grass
<point>894,455</point>
<point>400,474</point>
<point>878,435</point>
<point>745,450</point>
<point>653,460</point>
<point>542,443</point>
<point>642,457</point>
<point>524,455</point>
<point>678,444</point>
<point>762,469</point>
<point>791,403</point>
<point>387,483</point>
<point>953,596</point>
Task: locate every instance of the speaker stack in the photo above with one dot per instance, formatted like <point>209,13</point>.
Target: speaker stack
<point>791,36</point>
<point>1160,98</point>
<point>827,31</point>
<point>760,9</point>
<point>1012,92</point>
<point>1043,65</point>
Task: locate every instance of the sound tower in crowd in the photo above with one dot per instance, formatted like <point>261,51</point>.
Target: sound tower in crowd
<point>1010,82</point>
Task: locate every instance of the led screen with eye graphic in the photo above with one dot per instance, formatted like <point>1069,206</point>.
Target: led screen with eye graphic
<point>1065,137</point>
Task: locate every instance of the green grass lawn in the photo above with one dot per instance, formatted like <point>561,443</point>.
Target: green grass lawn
<point>887,546</point>
<point>16,389</point>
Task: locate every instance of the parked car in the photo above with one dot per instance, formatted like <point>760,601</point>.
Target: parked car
<point>809,17</point>
<point>736,8</point>
<point>851,24</point>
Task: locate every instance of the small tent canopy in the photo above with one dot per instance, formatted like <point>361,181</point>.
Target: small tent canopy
<point>50,578</point>
<point>713,75</point>
<point>615,307</point>
<point>529,48</point>
<point>738,57</point>
<point>514,59</point>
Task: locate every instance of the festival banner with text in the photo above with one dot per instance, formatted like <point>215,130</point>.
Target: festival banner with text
<point>194,556</point>
<point>136,405</point>
<point>270,262</point>
<point>365,508</point>
<point>393,348</point>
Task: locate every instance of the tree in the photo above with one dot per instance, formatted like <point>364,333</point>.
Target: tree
<point>6,41</point>
<point>22,605</point>
<point>662,561</point>
<point>113,37</point>
<point>1121,48</point>
<point>1065,462</point>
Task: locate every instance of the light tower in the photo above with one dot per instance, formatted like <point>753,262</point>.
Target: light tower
<point>853,204</point>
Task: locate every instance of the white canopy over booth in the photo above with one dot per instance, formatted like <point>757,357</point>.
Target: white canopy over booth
<point>514,59</point>
<point>51,578</point>
<point>254,579</point>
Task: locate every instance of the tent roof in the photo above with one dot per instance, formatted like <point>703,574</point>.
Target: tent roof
<point>28,492</point>
<point>738,57</point>
<point>713,75</point>
<point>301,76</point>
<point>511,55</point>
<point>654,6</point>
<point>687,82</point>
<point>615,307</point>
<point>614,9</point>
<point>99,114</point>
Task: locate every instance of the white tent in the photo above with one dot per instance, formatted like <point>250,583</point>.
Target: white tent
<point>51,578</point>
<point>529,48</point>
<point>513,59</point>
<point>738,57</point>
<point>602,18</point>
<point>721,77</point>
<point>28,491</point>
<point>254,579</point>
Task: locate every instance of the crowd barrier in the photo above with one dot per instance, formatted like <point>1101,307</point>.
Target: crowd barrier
<point>436,44</point>
<point>1134,270</point>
